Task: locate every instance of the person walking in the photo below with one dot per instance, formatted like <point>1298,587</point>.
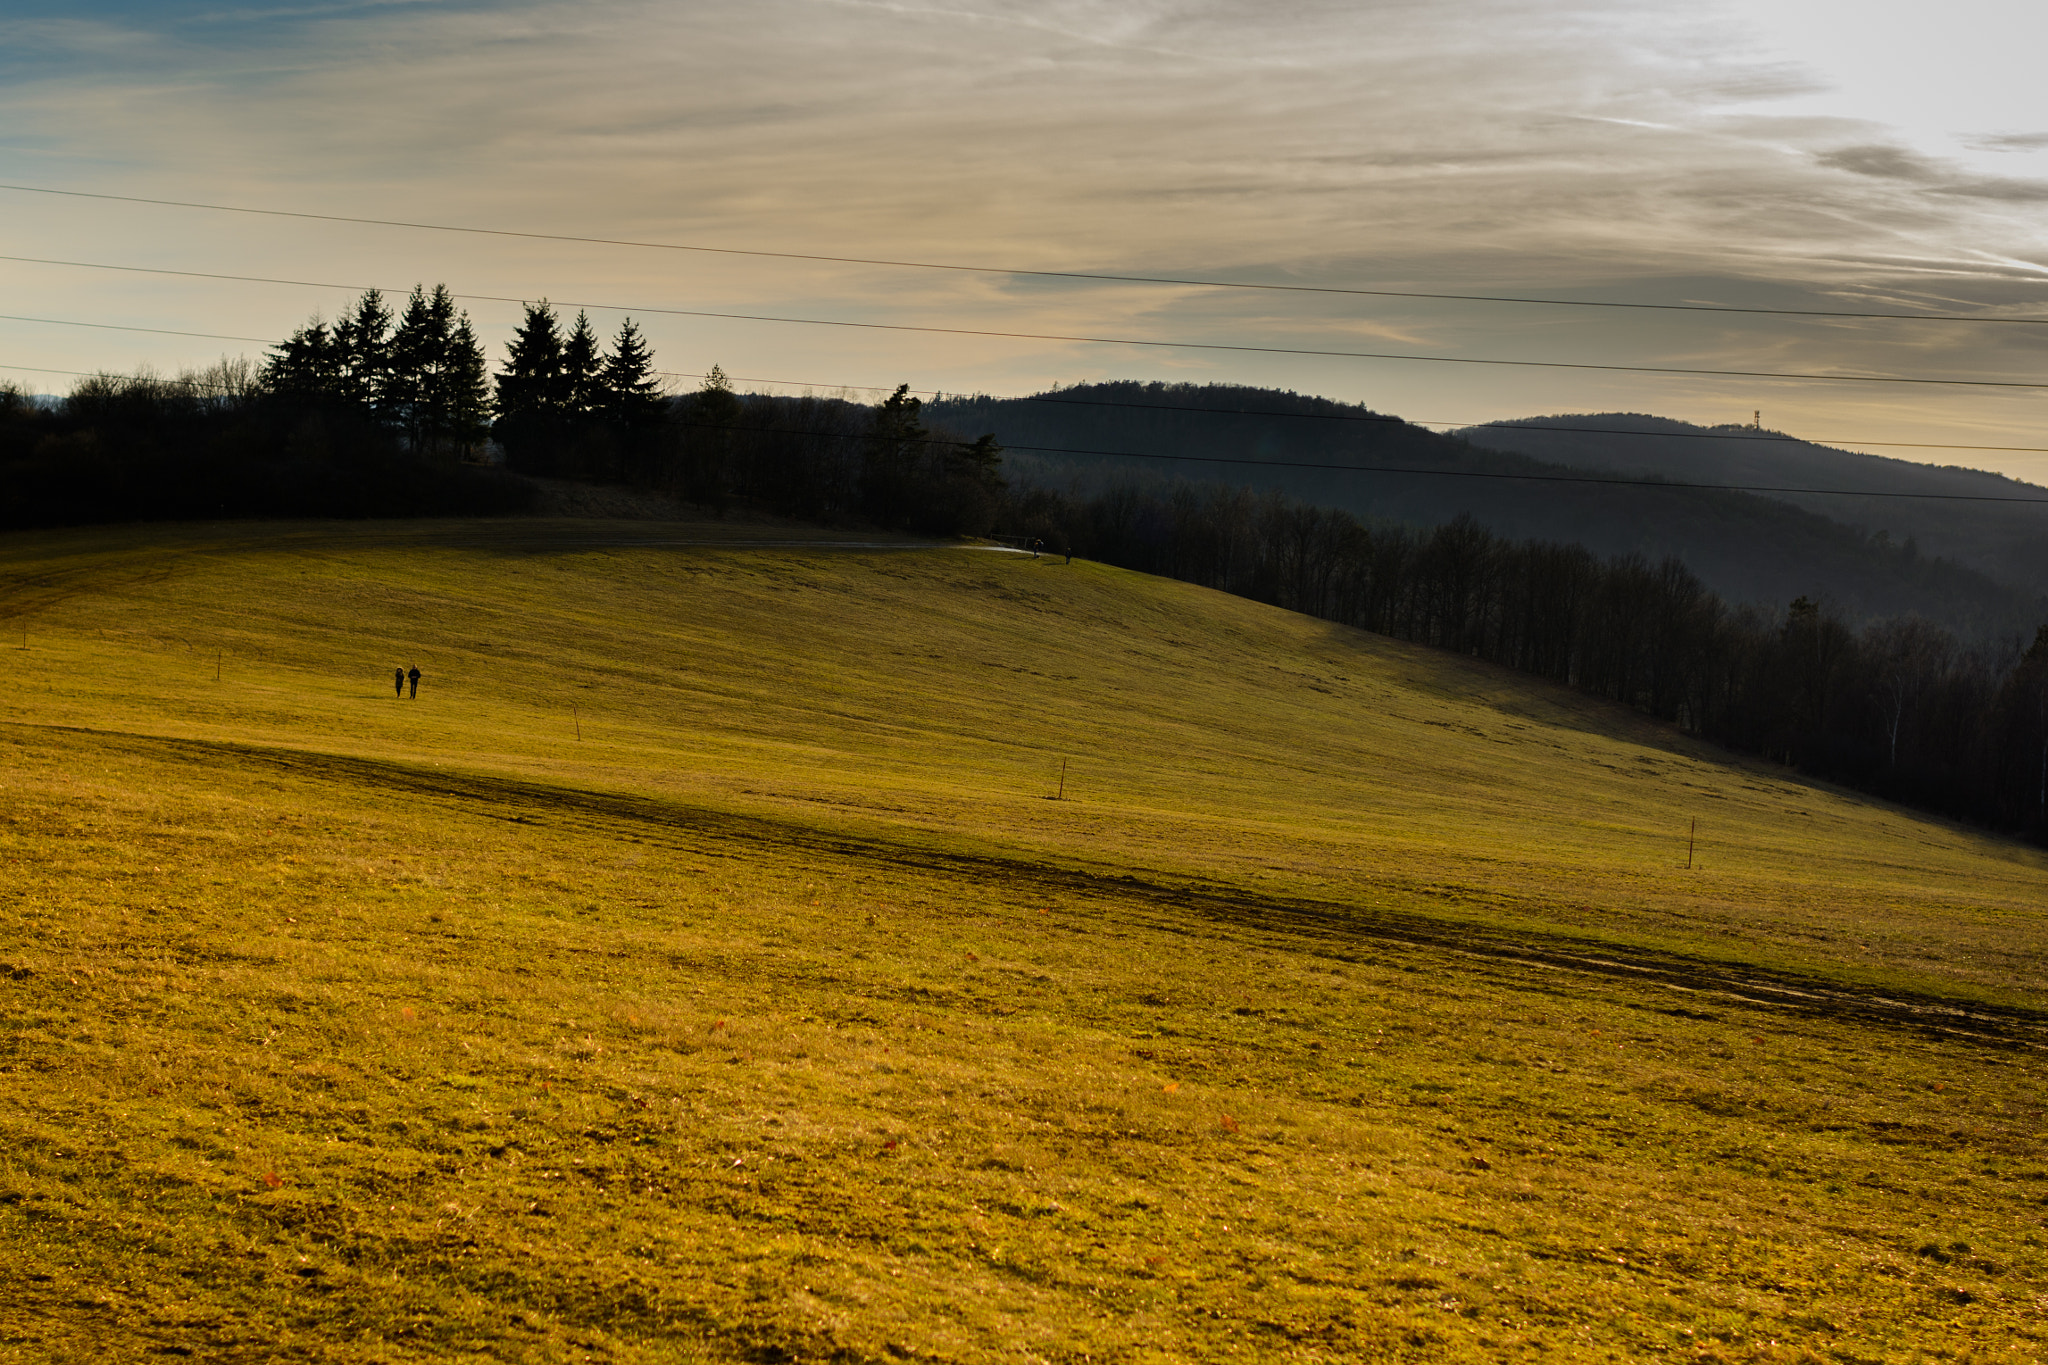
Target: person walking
<point>414,678</point>
<point>398,680</point>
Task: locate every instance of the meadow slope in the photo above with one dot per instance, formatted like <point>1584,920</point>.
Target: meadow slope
<point>701,968</point>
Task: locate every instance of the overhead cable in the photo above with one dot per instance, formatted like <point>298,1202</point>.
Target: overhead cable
<point>1083,275</point>
<point>1420,422</point>
<point>1236,348</point>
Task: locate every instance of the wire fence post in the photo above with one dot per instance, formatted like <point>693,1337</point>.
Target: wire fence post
<point>1691,835</point>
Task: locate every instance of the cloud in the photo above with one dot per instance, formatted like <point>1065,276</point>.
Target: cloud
<point>2011,142</point>
<point>1896,163</point>
<point>1882,162</point>
<point>2005,190</point>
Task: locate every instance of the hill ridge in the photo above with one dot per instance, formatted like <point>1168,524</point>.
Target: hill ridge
<point>1750,548</point>
<point>2003,542</point>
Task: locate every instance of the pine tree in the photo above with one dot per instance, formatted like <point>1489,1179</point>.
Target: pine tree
<point>414,353</point>
<point>363,355</point>
<point>436,423</point>
<point>468,414</point>
<point>715,404</point>
<point>895,446</point>
<point>630,392</point>
<point>708,471</point>
<point>580,371</point>
<point>306,366</point>
<point>984,458</point>
<point>532,381</point>
<point>421,387</point>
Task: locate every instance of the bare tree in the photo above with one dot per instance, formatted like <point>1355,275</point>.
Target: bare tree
<point>1907,655</point>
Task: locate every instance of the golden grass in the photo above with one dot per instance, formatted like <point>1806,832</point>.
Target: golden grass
<point>782,1016</point>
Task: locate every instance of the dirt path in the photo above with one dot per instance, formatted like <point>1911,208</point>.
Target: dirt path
<point>1340,930</point>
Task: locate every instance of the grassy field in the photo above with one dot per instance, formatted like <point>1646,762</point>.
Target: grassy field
<point>700,970</point>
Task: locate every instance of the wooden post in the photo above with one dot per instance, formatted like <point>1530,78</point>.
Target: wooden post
<point>578,717</point>
<point>1690,836</point>
<point>216,665</point>
<point>1063,781</point>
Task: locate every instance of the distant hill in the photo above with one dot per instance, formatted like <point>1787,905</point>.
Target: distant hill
<point>2005,541</point>
<point>1748,548</point>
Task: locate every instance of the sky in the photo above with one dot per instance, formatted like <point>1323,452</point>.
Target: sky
<point>1780,154</point>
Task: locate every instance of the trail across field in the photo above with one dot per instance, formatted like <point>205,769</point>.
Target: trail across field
<point>1339,928</point>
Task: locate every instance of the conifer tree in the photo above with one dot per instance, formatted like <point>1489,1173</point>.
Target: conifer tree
<point>581,365</point>
<point>707,471</point>
<point>715,404</point>
<point>432,374</point>
<point>532,380</point>
<point>362,345</point>
<point>895,446</point>
<point>468,412</point>
<point>305,367</point>
<point>414,353</point>
<point>984,457</point>
<point>631,394</point>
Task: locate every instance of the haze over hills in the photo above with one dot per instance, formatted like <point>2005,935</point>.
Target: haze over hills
<point>2007,541</point>
<point>1749,548</point>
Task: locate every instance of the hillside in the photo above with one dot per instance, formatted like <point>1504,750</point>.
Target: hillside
<point>700,968</point>
<point>1749,549</point>
<point>2003,541</point>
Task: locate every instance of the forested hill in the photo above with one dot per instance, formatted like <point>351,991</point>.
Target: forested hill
<point>1748,548</point>
<point>2007,541</point>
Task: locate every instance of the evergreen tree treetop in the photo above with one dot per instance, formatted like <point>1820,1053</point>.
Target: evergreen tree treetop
<point>362,338</point>
<point>715,404</point>
<point>532,380</point>
<point>306,366</point>
<point>581,365</point>
<point>467,391</point>
<point>631,392</point>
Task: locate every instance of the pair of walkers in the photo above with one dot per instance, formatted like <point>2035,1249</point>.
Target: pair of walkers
<point>399,678</point>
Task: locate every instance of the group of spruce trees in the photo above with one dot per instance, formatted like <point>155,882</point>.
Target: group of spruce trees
<point>561,405</point>
<point>422,373</point>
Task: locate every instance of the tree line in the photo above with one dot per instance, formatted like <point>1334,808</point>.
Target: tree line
<point>387,412</point>
<point>1902,708</point>
<point>564,405</point>
<point>219,443</point>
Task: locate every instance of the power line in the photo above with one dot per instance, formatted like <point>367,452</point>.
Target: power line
<point>1233,348</point>
<point>1143,407</point>
<point>121,327</point>
<point>1093,276</point>
<point>188,380</point>
<point>1146,407</point>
